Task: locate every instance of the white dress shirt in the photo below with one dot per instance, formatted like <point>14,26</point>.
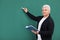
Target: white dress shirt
<point>39,27</point>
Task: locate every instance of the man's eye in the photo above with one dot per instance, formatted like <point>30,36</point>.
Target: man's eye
<point>45,9</point>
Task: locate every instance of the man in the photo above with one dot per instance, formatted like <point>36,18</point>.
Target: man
<point>45,23</point>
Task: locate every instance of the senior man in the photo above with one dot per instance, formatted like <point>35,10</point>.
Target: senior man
<point>45,23</point>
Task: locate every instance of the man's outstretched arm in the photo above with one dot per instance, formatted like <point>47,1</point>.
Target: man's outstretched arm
<point>30,15</point>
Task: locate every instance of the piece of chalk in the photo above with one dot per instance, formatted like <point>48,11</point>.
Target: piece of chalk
<point>26,26</point>
<point>22,8</point>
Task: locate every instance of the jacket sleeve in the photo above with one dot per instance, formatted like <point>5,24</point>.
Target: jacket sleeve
<point>33,17</point>
<point>50,29</point>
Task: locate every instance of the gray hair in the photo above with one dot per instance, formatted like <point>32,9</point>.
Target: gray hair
<point>47,6</point>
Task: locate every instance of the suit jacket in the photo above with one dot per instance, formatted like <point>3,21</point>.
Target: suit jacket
<point>47,27</point>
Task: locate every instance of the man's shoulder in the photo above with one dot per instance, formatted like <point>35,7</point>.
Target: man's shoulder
<point>40,16</point>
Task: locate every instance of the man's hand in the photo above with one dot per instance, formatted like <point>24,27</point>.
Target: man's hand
<point>25,10</point>
<point>35,32</point>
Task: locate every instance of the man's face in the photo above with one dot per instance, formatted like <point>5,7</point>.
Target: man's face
<point>45,11</point>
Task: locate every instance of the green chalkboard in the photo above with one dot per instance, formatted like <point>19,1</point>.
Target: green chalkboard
<point>13,20</point>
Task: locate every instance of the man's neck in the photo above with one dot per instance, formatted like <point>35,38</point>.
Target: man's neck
<point>46,16</point>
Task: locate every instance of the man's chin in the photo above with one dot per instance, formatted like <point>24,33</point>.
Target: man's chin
<point>44,15</point>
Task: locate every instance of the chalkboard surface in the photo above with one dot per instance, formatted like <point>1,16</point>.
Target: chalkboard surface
<point>13,20</point>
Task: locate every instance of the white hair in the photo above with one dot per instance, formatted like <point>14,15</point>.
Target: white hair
<point>47,6</point>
